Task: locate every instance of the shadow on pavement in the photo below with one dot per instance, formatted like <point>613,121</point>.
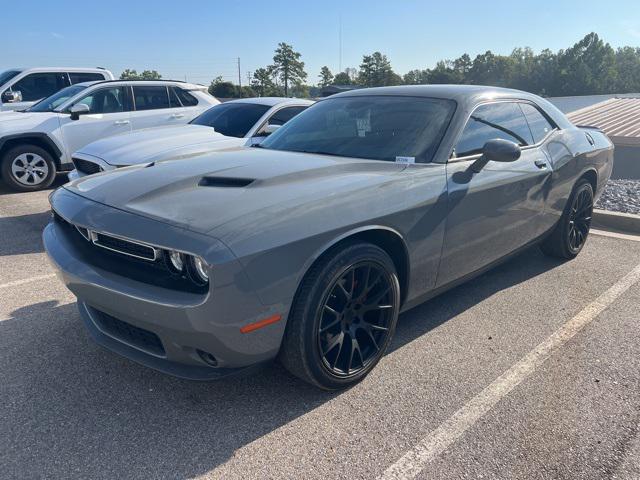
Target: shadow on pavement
<point>61,179</point>
<point>22,234</point>
<point>70,408</point>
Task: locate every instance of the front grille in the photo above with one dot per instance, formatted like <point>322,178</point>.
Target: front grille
<point>86,166</point>
<point>125,332</point>
<point>124,247</point>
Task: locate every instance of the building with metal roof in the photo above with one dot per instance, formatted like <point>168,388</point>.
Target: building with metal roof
<point>619,118</point>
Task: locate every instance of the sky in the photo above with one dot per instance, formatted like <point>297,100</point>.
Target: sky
<point>199,40</point>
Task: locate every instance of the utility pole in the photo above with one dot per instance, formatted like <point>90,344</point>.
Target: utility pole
<point>239,77</point>
<point>340,45</point>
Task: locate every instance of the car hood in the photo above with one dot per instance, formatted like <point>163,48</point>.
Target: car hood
<point>214,189</point>
<point>153,144</point>
<point>19,122</point>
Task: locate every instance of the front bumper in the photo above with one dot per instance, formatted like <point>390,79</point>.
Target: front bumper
<point>185,323</point>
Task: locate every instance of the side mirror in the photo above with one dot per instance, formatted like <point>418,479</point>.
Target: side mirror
<point>270,128</point>
<point>77,110</point>
<point>497,150</point>
<point>12,97</point>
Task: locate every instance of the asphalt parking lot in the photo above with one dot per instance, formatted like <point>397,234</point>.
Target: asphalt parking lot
<point>529,371</point>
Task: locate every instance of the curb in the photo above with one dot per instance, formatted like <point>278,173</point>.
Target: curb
<point>616,221</point>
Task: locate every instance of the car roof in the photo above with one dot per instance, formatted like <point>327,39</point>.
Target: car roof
<point>466,96</point>
<point>60,69</point>
<point>272,101</point>
<point>186,85</point>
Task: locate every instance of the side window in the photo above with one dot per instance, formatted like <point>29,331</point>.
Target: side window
<point>150,97</point>
<point>39,85</point>
<point>187,99</point>
<point>539,125</point>
<point>283,115</point>
<point>488,122</point>
<point>105,100</point>
<point>79,77</point>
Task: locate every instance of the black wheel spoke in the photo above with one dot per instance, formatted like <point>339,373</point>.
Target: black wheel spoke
<point>580,219</point>
<point>355,319</point>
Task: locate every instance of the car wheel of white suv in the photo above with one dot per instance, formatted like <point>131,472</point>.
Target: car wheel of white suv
<point>28,167</point>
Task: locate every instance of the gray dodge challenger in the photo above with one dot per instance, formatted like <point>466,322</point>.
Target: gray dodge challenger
<point>308,247</point>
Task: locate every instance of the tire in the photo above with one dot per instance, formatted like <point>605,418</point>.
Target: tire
<point>27,168</point>
<point>343,317</point>
<point>571,232</point>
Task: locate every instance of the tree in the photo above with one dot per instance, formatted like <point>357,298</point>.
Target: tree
<point>416,77</point>
<point>342,78</point>
<point>326,77</point>
<point>145,75</point>
<point>223,89</point>
<point>262,82</point>
<point>288,67</point>
<point>586,68</point>
<point>376,71</point>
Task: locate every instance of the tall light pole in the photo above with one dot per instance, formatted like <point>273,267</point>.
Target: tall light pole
<point>239,76</point>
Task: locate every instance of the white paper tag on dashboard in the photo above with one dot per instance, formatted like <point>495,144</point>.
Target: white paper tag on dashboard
<point>406,160</point>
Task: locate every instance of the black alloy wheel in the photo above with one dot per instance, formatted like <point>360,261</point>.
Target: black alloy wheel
<point>570,233</point>
<point>355,319</point>
<point>580,219</point>
<point>343,316</point>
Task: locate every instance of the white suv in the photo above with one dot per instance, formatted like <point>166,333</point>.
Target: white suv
<point>22,87</point>
<point>37,143</point>
<point>246,121</point>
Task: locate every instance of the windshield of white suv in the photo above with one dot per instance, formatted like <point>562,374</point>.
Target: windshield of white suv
<point>232,119</point>
<point>50,103</point>
<point>392,128</point>
<point>8,75</point>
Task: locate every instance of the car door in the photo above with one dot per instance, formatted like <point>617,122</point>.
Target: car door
<point>108,115</point>
<point>495,211</point>
<point>277,118</point>
<point>153,107</point>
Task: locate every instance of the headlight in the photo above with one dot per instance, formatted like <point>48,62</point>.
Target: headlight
<point>176,260</point>
<point>198,270</point>
<point>188,266</point>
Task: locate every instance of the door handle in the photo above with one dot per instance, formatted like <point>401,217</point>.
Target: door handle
<point>540,164</point>
<point>121,122</point>
<point>177,115</point>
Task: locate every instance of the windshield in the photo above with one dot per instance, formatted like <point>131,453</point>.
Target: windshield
<point>391,128</point>
<point>50,103</point>
<point>232,119</point>
<point>7,75</point>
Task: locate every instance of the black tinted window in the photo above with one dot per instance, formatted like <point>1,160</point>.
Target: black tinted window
<point>186,98</point>
<point>488,122</point>
<point>39,85</point>
<point>283,115</point>
<point>539,125</point>
<point>105,100</point>
<point>150,97</point>
<point>400,129</point>
<point>77,77</point>
<point>232,119</point>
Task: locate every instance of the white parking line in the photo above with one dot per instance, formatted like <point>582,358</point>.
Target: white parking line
<point>622,236</point>
<point>15,283</point>
<point>431,446</point>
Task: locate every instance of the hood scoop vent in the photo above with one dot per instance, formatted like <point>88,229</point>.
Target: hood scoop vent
<point>225,182</point>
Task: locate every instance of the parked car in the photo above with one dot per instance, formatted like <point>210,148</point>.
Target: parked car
<point>238,122</point>
<point>22,87</point>
<point>37,143</point>
<point>306,249</point>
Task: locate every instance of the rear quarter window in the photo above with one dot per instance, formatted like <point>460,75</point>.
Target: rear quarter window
<point>538,123</point>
